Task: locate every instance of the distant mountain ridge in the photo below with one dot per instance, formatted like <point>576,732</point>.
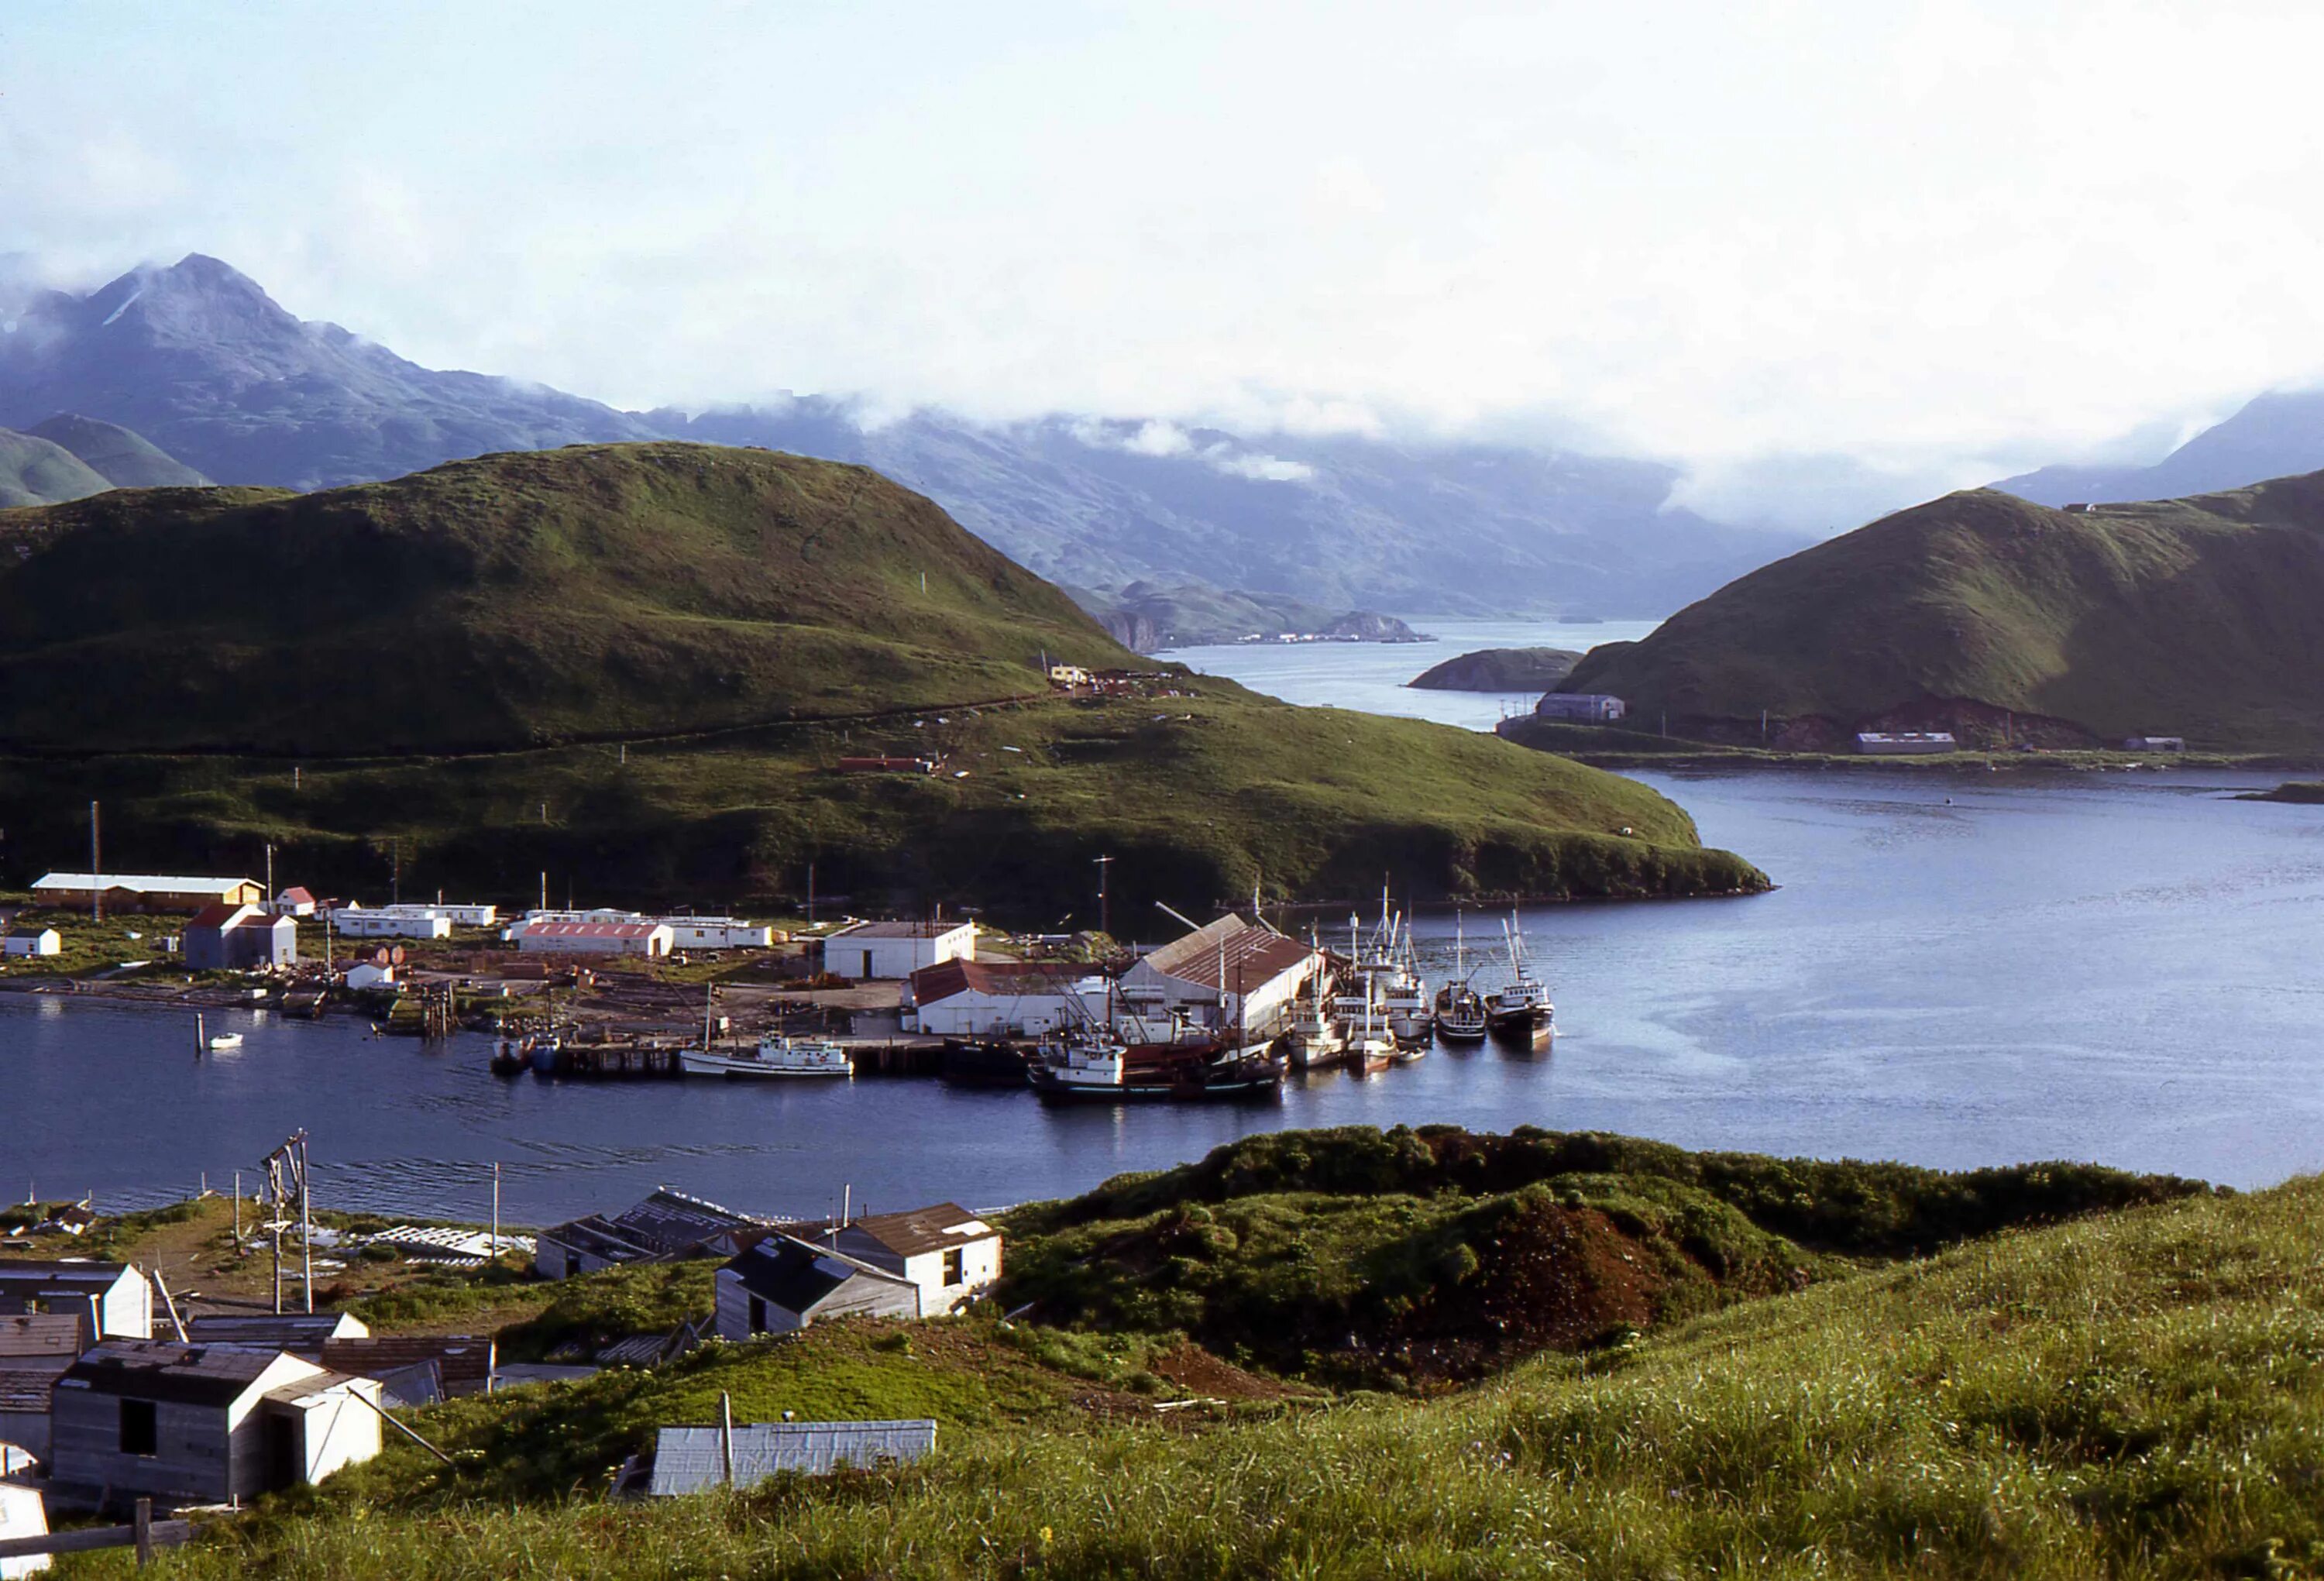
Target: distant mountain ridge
<point>199,359</point>
<point>70,457</point>
<point>2273,436</point>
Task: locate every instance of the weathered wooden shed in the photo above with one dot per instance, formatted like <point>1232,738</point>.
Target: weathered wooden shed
<point>194,1424</point>
<point>782,1285</point>
<point>35,1350</point>
<point>114,1296</point>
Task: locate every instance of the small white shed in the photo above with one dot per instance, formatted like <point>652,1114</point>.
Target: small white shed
<point>29,939</point>
<point>894,951</point>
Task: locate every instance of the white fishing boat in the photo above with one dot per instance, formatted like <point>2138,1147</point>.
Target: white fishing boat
<point>1316,1036</point>
<point>221,1043</point>
<point>772,1056</point>
<point>1520,1007</point>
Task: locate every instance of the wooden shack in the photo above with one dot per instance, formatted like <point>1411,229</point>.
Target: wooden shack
<point>194,1424</point>
<point>782,1285</point>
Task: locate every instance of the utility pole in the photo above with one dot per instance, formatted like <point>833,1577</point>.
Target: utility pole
<point>270,873</point>
<point>496,1210</point>
<point>544,889</point>
<point>95,876</point>
<point>1105,895</point>
<point>810,892</point>
<point>394,871</point>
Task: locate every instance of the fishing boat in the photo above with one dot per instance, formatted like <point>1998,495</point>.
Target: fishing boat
<point>774,1055</point>
<point>1520,1008</point>
<point>1315,1037</point>
<point>1460,1012</point>
<point>983,1061</point>
<point>1128,1061</point>
<point>221,1043</point>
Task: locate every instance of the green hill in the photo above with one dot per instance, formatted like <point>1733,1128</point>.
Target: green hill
<point>1500,669</point>
<point>590,591</point>
<point>1982,613</point>
<point>34,471</point>
<point>123,459</point>
<point>638,667</point>
<point>2131,1393</point>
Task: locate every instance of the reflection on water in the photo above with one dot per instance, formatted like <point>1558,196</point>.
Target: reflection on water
<point>1956,972</point>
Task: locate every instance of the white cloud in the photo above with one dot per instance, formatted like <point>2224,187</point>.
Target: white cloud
<point>1918,239</point>
<point>1257,468</point>
<point>1156,437</point>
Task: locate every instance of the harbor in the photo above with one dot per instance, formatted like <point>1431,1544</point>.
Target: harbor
<point>2143,1012</point>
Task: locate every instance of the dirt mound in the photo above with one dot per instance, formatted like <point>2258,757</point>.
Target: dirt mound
<point>1198,1372</point>
<point>1554,1278</point>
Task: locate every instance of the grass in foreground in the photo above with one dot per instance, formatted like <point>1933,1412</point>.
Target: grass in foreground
<point>2132,1394</point>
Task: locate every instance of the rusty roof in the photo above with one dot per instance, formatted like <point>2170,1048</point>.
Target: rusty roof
<point>923,1229</point>
<point>934,984</point>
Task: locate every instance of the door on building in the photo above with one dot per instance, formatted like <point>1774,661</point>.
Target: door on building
<point>285,1450</point>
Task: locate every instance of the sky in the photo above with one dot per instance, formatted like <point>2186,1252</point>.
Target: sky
<point>1828,257</point>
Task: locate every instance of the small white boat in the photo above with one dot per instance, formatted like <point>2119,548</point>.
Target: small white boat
<point>223,1042</point>
<point>773,1056</point>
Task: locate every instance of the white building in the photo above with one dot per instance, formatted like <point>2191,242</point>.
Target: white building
<point>391,922</point>
<point>370,974</point>
<point>196,1424</point>
<point>29,939</point>
<point>295,901</point>
<point>892,950</point>
<point>115,1294</point>
<point>717,932</point>
<point>638,938</point>
<point>1588,707</point>
<point>947,1251</point>
<point>1903,743</point>
<point>464,914</point>
<point>784,1285</point>
<point>1000,998</point>
<point>1226,973</point>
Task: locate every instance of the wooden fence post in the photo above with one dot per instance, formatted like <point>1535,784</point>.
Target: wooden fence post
<point>142,1522</point>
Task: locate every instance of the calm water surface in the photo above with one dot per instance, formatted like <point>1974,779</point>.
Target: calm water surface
<point>1371,675</point>
<point>1957,972</point>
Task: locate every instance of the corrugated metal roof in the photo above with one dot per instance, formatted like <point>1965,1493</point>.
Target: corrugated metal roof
<point>142,883</point>
<point>1253,956</point>
<point>1002,978</point>
<point>155,1369</point>
<point>796,1276</point>
<point>923,1229</point>
<point>589,930</point>
<point>41,1334</point>
<point>61,1274</point>
<point>689,1460</point>
<point>901,929</point>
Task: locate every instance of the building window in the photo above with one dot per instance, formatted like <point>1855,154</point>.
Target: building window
<point>140,1432</point>
<point>952,1266</point>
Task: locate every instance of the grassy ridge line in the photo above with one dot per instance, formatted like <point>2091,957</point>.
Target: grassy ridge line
<point>1222,789</point>
<point>597,590</point>
<point>2189,616</point>
<point>2136,1394</point>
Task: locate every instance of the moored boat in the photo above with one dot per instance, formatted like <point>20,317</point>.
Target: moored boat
<point>984,1062</point>
<point>1521,1007</point>
<point>1460,1012</point>
<point>772,1056</point>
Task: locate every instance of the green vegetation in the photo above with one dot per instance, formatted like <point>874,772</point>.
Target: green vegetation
<point>1500,669</point>
<point>124,460</point>
<point>2301,792</point>
<point>740,621</point>
<point>1199,789</point>
<point>2001,620</point>
<point>1411,1258</point>
<point>587,592</point>
<point>2136,1393</point>
<point>34,471</point>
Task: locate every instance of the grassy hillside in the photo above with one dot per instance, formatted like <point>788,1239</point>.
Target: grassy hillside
<point>1199,791</point>
<point>511,599</point>
<point>1414,1258</point>
<point>34,471</point>
<point>123,459</point>
<point>2191,617</point>
<point>2136,1393</point>
<point>1500,669</point>
<point>637,667</point>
